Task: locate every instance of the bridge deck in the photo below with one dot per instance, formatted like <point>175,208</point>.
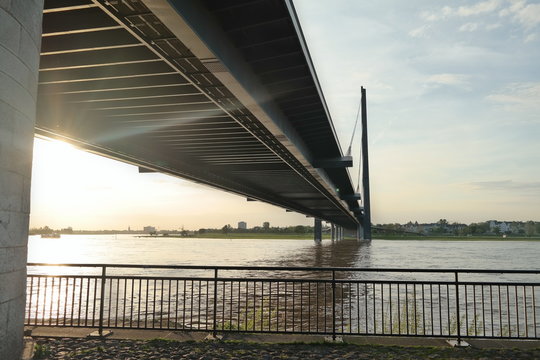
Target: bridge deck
<point>219,92</point>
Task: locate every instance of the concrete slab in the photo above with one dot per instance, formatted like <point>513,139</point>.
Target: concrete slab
<point>395,341</point>
<point>455,343</point>
<point>137,334</point>
<point>273,338</point>
<point>28,351</point>
<point>103,334</point>
<point>504,344</point>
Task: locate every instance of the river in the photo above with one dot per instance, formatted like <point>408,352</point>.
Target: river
<point>132,249</point>
<point>361,302</point>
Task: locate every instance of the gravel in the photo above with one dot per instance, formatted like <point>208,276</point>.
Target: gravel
<point>160,349</point>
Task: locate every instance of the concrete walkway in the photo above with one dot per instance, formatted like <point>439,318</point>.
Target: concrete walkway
<point>135,334</point>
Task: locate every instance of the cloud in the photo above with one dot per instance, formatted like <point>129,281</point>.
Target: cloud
<point>518,96</point>
<point>530,38</point>
<point>438,15</point>
<point>477,9</point>
<point>462,11</point>
<point>420,32</point>
<point>505,185</point>
<point>527,15</point>
<point>470,27</point>
<point>493,26</point>
<point>449,79</point>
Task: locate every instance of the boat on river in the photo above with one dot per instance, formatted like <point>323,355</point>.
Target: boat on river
<point>54,235</point>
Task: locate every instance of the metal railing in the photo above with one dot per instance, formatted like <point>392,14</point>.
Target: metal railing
<point>330,301</point>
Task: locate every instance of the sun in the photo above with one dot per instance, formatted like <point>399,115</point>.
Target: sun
<point>54,151</point>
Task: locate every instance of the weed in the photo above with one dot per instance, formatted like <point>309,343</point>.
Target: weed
<point>41,351</point>
<point>260,318</point>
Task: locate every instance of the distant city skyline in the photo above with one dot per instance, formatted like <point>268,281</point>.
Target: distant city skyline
<point>453,102</point>
<point>266,225</point>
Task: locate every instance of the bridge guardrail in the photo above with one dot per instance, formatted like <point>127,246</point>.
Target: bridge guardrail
<point>452,303</point>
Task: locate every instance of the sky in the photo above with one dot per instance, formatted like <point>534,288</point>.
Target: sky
<point>454,124</point>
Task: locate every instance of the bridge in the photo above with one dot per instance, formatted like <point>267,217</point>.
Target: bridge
<point>223,93</point>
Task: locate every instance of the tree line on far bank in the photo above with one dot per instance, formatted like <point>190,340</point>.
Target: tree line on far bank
<point>265,229</point>
<point>226,229</point>
<point>443,227</point>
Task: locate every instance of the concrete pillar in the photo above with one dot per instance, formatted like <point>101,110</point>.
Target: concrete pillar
<point>359,232</point>
<point>317,230</point>
<point>20,40</point>
<point>332,231</point>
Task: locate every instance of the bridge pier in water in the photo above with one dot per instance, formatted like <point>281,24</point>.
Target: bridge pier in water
<point>20,26</point>
<point>317,230</point>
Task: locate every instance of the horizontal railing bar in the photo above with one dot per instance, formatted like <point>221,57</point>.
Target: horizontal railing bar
<point>65,276</point>
<point>284,268</point>
<point>479,283</point>
<point>290,280</point>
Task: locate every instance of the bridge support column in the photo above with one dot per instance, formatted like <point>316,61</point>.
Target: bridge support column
<point>20,40</point>
<point>317,230</point>
<point>332,231</point>
<point>366,224</point>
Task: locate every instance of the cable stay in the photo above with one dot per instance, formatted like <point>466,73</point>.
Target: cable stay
<point>359,179</point>
<point>349,150</point>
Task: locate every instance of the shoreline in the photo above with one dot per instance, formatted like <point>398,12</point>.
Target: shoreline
<point>274,236</point>
<point>456,238</point>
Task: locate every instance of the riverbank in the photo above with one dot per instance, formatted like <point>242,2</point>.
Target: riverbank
<point>159,349</point>
<point>269,236</point>
<point>278,236</point>
<point>454,238</point>
<point>309,236</point>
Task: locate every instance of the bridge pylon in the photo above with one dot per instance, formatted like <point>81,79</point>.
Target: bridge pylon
<point>317,230</point>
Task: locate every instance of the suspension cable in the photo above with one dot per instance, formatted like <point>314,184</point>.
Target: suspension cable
<point>359,171</point>
<point>349,150</point>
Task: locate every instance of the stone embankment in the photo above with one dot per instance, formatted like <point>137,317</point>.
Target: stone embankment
<point>161,349</point>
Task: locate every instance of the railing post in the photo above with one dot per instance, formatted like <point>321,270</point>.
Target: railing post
<point>333,305</point>
<point>102,299</point>
<point>457,308</point>
<point>215,301</point>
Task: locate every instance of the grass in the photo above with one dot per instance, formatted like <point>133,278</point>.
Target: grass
<point>309,236</point>
<point>272,236</point>
<point>453,238</point>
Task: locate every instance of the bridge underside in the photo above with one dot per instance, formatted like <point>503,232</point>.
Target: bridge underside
<point>219,92</point>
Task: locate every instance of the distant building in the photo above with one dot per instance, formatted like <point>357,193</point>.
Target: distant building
<point>502,227</point>
<point>149,229</point>
<point>242,225</point>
